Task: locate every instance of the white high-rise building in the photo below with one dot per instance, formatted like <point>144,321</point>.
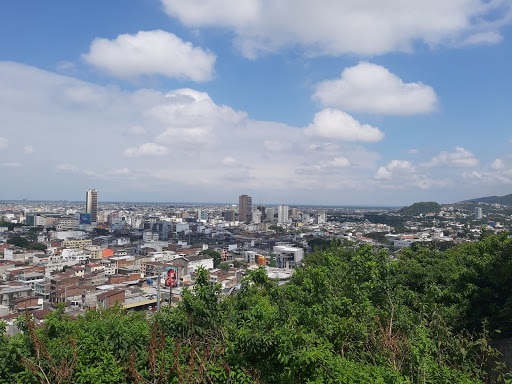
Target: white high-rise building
<point>478,213</point>
<point>91,204</point>
<point>322,217</point>
<point>282,214</point>
<point>256,216</point>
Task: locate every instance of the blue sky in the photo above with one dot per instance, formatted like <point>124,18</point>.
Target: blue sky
<point>291,101</point>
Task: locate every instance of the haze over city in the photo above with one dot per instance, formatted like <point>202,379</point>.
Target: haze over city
<point>291,102</point>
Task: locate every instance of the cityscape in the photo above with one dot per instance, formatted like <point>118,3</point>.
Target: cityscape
<point>81,253</point>
<point>256,191</point>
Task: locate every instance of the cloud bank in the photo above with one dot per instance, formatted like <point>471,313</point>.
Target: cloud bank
<point>334,27</point>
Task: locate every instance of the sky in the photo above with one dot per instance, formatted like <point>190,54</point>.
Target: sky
<point>327,102</point>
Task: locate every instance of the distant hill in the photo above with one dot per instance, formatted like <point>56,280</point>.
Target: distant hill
<point>504,200</point>
<point>420,208</point>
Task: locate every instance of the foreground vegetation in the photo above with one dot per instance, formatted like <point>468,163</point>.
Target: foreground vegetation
<point>348,316</point>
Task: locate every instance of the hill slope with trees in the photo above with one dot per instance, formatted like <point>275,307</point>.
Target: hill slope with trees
<point>420,208</point>
<point>503,200</point>
<point>347,316</point>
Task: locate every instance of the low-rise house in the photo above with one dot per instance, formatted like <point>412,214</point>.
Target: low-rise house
<point>42,289</point>
<point>93,279</point>
<point>10,293</point>
<point>61,282</point>
<point>191,263</point>
<point>29,302</point>
<point>109,298</point>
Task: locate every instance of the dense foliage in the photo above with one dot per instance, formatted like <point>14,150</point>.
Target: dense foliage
<point>27,242</point>
<point>319,243</point>
<point>347,316</point>
<point>10,226</point>
<point>378,236</point>
<point>395,221</point>
<point>421,208</point>
<point>213,254</point>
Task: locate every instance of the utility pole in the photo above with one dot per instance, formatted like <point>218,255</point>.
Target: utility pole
<point>158,288</point>
<point>170,297</point>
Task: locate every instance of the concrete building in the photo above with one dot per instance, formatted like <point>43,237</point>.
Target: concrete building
<point>202,214</point>
<point>108,299</point>
<point>270,213</point>
<point>321,217</point>
<point>229,215</point>
<point>402,243</point>
<point>8,294</point>
<point>249,256</point>
<point>478,213</point>
<point>160,227</point>
<point>282,214</point>
<point>67,223</point>
<point>245,209</point>
<point>91,204</point>
<point>192,262</point>
<point>256,216</point>
<point>76,244</point>
<point>288,256</point>
<point>150,236</point>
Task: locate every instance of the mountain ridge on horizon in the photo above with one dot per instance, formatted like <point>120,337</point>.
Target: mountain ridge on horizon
<point>504,200</point>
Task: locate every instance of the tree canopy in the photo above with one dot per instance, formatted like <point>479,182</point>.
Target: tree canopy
<point>346,316</point>
<point>216,256</point>
<point>421,208</point>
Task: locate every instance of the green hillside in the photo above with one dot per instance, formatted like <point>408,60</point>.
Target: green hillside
<point>420,208</point>
<point>503,200</point>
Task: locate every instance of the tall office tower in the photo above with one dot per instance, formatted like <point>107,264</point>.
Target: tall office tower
<point>256,216</point>
<point>282,214</point>
<point>270,212</point>
<point>229,215</point>
<point>245,208</point>
<point>321,217</point>
<point>91,204</point>
<point>202,214</point>
<point>261,208</point>
<point>478,213</point>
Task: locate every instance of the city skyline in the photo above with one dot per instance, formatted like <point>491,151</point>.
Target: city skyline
<point>165,100</point>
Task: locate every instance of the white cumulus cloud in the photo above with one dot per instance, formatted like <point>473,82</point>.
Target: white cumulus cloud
<point>371,88</point>
<point>151,53</point>
<point>386,172</point>
<point>484,38</point>
<point>335,27</point>
<point>497,164</point>
<point>325,167</point>
<point>338,125</point>
<point>191,117</point>
<point>459,157</point>
<point>146,149</point>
